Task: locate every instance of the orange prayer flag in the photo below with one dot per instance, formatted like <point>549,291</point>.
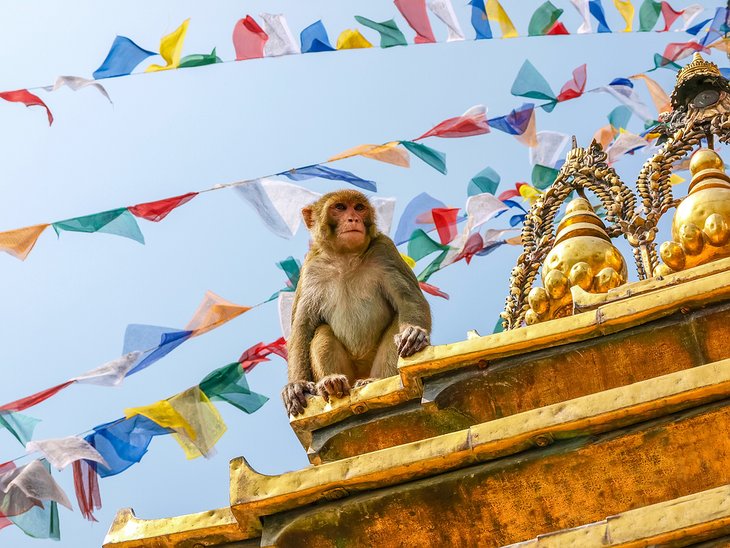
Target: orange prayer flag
<point>389,153</point>
<point>604,136</point>
<point>213,312</point>
<point>658,95</point>
<point>19,242</point>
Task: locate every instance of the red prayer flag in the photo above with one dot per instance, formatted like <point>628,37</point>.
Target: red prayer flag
<point>445,220</point>
<point>678,50</point>
<point>575,86</point>
<point>472,122</point>
<point>670,16</point>
<point>415,13</point>
<point>156,211</point>
<point>474,244</point>
<point>557,29</point>
<point>28,99</point>
<point>433,290</point>
<point>248,39</point>
<point>35,399</point>
<point>508,195</point>
<point>86,485</point>
<point>258,353</point>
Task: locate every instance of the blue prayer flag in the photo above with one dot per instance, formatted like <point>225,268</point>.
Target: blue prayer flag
<point>326,172</point>
<point>314,38</point>
<point>596,9</point>
<point>479,20</point>
<point>122,58</point>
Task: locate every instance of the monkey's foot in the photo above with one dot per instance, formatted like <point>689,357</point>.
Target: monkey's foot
<point>295,396</point>
<point>363,382</point>
<point>333,385</point>
<point>410,340</point>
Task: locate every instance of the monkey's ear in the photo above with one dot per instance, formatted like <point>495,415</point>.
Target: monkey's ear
<point>307,216</point>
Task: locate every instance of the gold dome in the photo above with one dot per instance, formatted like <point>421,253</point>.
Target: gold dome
<point>583,256</point>
<point>692,75</point>
<point>700,231</point>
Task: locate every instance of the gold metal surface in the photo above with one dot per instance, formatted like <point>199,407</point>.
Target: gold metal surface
<point>690,519</point>
<point>700,229</point>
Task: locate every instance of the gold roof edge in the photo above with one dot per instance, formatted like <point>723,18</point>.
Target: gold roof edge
<point>687,519</point>
<point>255,494</point>
<point>128,531</point>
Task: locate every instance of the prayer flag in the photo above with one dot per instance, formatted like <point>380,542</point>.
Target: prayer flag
<point>171,48</point>
<point>213,312</point>
<point>445,221</point>
<point>28,99</point>
<point>86,485</point>
<point>259,352</point>
<point>292,268</point>
<point>543,176</point>
<point>34,399</point>
<point>472,122</point>
<point>61,452</point>
<point>690,14</point>
<point>352,39</point>
<point>20,242</point>
<point>543,19</point>
<point>409,220</point>
<point>622,90</point>
<point>330,173</point>
<point>495,12</point>
<point>626,9</point>
<point>156,211</point>
<point>153,341</point>
<point>649,14</point>
<point>414,11</point>
<point>487,180</point>
<point>431,156</point>
<point>229,384</point>
<point>88,223</point>
<point>557,29</point>
<point>718,27</point>
<point>314,38</point>
<point>516,122</point>
<point>658,95</point>
<point>111,373</point>
<point>626,142</point>
<point>619,117</point>
<point>122,59</point>
<point>480,209</point>
<point>281,41</point>
<point>433,267</point>
<point>285,302</point>
<point>199,60</point>
<point>530,83</point>
<point>279,204</point>
<point>670,15</point>
<point>20,426</point>
<point>39,522</point>
<point>480,20</point>
<point>76,83</point>
<point>550,145</point>
<point>390,34</point>
<point>384,210</point>
<point>585,14</point>
<point>596,9</point>
<point>248,39</point>
<point>421,245</point>
<point>433,290</point>
<point>29,486</point>
<point>389,153</point>
<point>574,87</point>
<point>444,10</point>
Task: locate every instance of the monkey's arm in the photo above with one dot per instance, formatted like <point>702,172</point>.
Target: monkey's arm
<point>401,288</point>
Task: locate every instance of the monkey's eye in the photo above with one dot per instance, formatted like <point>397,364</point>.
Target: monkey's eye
<point>359,207</point>
<point>340,207</point>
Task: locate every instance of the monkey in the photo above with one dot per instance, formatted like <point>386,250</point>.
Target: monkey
<point>357,305</point>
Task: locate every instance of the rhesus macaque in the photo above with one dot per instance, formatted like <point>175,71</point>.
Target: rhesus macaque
<point>357,306</point>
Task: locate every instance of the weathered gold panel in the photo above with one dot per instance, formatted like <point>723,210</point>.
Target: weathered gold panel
<point>517,498</point>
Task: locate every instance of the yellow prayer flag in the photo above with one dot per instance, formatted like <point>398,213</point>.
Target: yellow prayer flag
<point>213,312</point>
<point>516,240</point>
<point>20,241</point>
<point>409,261</point>
<point>495,12</point>
<point>658,95</point>
<point>171,48</point>
<point>206,423</point>
<point>626,9</point>
<point>352,39</point>
<point>164,414</point>
<point>675,179</point>
<point>530,193</point>
<point>389,153</point>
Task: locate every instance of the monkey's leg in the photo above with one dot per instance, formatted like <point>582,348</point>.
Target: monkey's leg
<point>385,363</point>
<point>332,366</point>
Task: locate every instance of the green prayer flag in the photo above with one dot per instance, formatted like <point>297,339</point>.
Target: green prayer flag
<point>200,59</point>
<point>498,327</point>
<point>431,156</point>
<point>228,384</point>
<point>649,14</point>
<point>390,34</point>
<point>434,267</point>
<point>88,223</point>
<point>292,269</point>
<point>619,117</point>
<point>530,83</point>
<point>125,225</point>
<point>421,245</point>
<point>487,180</point>
<point>543,176</point>
<point>662,62</point>
<point>543,19</point>
<point>20,426</point>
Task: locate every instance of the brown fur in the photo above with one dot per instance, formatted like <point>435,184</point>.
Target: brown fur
<point>355,296</point>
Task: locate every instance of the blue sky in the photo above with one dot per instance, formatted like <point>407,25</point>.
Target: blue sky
<point>66,308</point>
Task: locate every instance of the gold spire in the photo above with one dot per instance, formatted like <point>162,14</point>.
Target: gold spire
<point>688,76</point>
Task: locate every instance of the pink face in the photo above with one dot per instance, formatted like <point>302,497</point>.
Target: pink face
<point>349,219</point>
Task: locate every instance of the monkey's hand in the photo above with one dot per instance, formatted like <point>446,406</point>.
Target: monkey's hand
<point>364,382</point>
<point>295,396</point>
<point>410,340</point>
<point>333,385</point>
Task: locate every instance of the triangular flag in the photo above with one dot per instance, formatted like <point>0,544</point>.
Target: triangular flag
<point>28,99</point>
<point>596,9</point>
<point>414,12</point>
<point>626,9</point>
<point>122,59</point>
<point>156,211</point>
<point>530,83</point>
<point>314,38</point>
<point>20,242</point>
<point>480,20</point>
<point>585,14</point>
<point>649,15</point>
<point>330,173</point>
<point>61,452</point>
<point>432,157</point>
<point>543,19</point>
<point>281,41</point>
<point>171,48</point>
<point>200,60</point>
<point>670,15</point>
<point>388,153</point>
<point>352,39</point>
<point>472,122</point>
<point>213,312</point>
<point>76,83</point>
<point>658,95</point>
<point>575,86</point>
<point>487,180</point>
<point>390,34</point>
<point>248,39</point>
<point>444,10</point>
<point>496,12</point>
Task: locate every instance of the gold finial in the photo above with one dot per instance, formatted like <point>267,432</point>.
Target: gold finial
<point>690,74</point>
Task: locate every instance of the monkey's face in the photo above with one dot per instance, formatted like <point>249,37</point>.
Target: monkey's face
<point>350,222</point>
